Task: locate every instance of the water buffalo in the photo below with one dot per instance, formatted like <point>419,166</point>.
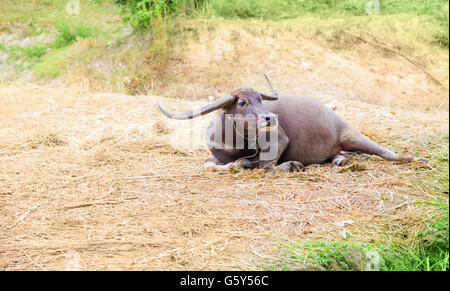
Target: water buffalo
<point>259,130</point>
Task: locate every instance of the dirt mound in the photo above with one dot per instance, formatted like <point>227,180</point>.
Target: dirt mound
<point>331,66</point>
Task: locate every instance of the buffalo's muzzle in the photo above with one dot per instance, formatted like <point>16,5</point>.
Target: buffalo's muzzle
<point>268,123</point>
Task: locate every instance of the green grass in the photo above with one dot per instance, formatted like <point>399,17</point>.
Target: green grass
<point>318,255</point>
<point>23,57</point>
<point>47,14</point>
<point>67,34</point>
<point>50,60</point>
<point>57,61</point>
<point>431,254</point>
<point>34,51</point>
<point>54,63</point>
<point>431,13</point>
<point>32,56</point>
<point>97,18</point>
<point>276,9</point>
<point>418,259</point>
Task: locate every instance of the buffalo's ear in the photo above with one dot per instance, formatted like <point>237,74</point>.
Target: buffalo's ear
<point>269,97</point>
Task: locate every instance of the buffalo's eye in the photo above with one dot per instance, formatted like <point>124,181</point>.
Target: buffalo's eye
<point>242,102</point>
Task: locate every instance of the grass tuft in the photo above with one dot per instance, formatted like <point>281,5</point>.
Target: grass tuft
<point>67,35</point>
<point>35,51</point>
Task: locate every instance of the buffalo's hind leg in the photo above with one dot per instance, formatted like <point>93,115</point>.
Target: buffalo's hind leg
<point>353,141</point>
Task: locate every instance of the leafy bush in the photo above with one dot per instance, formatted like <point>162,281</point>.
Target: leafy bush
<point>139,13</point>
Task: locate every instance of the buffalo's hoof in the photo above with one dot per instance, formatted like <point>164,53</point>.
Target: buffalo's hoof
<point>210,166</point>
<point>242,164</point>
<point>296,166</point>
<point>340,161</point>
<point>291,166</point>
<point>425,160</point>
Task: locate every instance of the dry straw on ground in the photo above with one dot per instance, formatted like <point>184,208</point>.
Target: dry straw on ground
<point>100,176</point>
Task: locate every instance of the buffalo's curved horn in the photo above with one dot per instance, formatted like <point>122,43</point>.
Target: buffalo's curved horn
<point>269,97</point>
<point>274,95</point>
<point>219,103</point>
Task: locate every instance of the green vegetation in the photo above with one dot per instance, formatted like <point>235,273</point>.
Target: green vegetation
<point>34,51</point>
<point>29,52</point>
<point>152,16</point>
<point>430,254</point>
<point>319,255</point>
<point>56,61</point>
<point>140,13</point>
<point>276,9</point>
<point>67,35</point>
<point>33,55</point>
<point>27,56</point>
<point>424,256</point>
<point>434,13</point>
<point>59,30</point>
<point>431,12</point>
<point>405,26</point>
